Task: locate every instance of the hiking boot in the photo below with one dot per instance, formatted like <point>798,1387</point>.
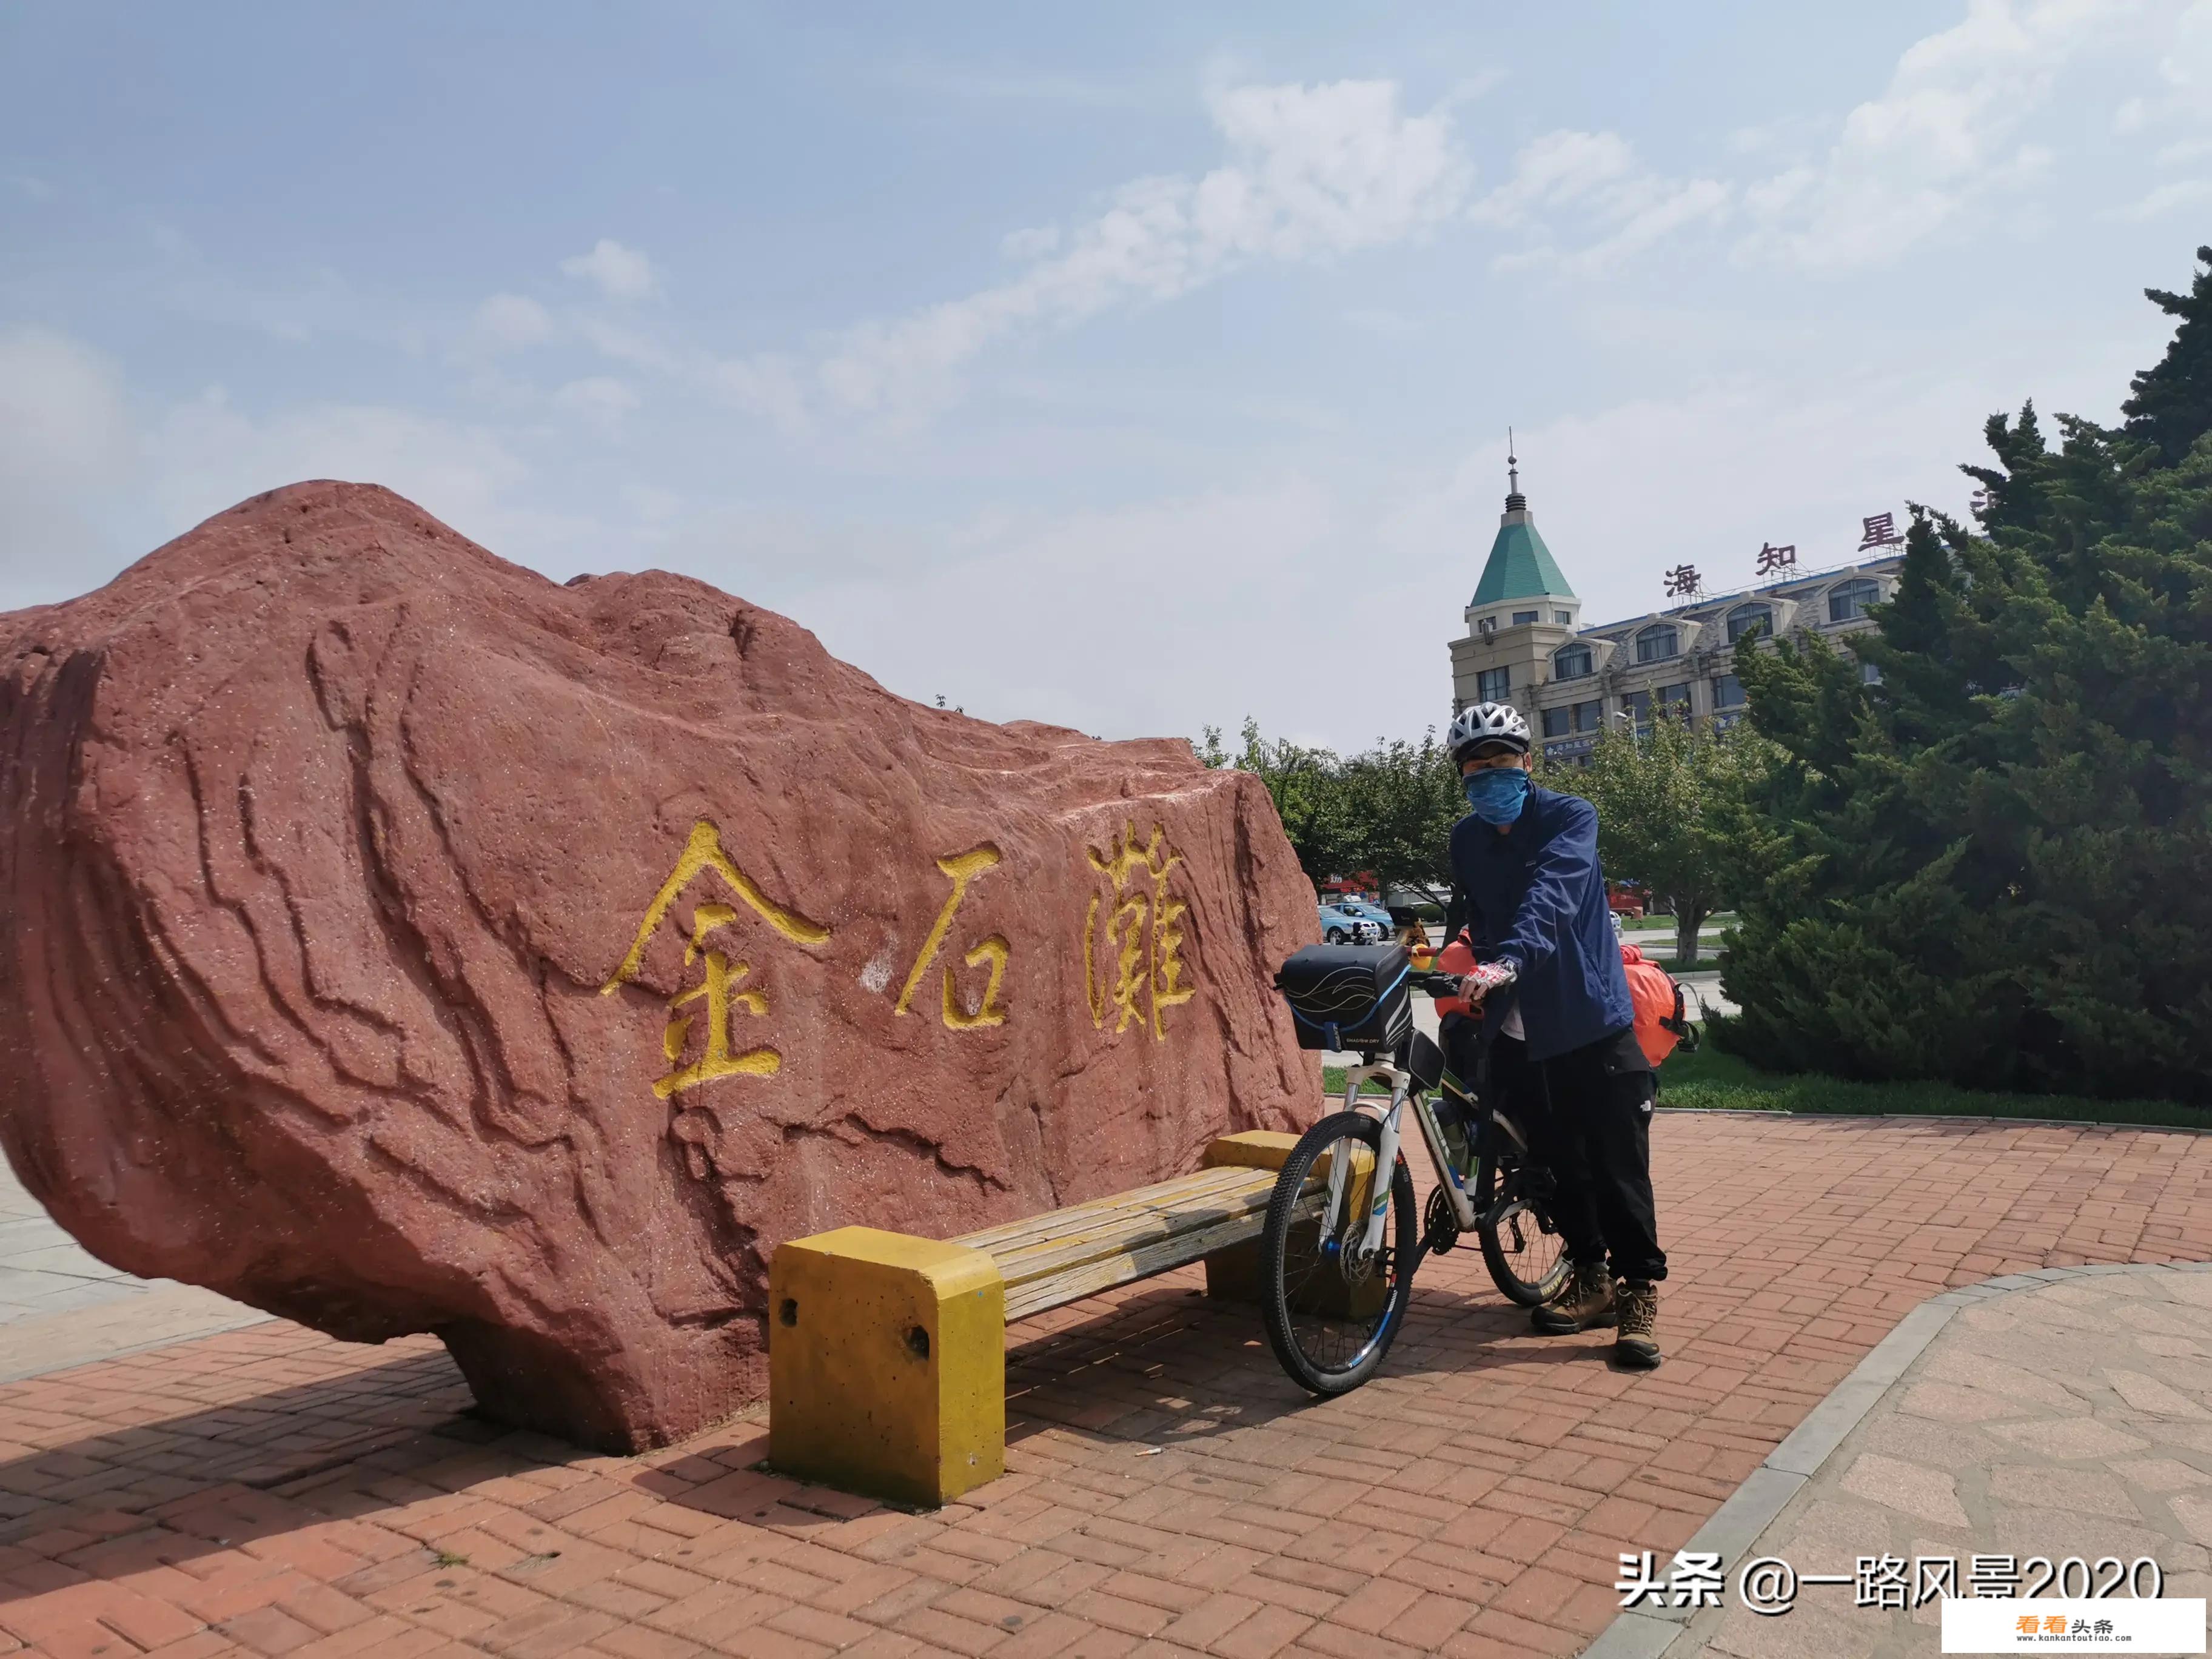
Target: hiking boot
<point>1636,1344</point>
<point>1584,1302</point>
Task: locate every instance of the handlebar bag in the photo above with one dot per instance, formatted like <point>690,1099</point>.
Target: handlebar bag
<point>1349,996</point>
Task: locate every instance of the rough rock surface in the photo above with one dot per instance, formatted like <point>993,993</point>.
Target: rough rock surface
<point>396,941</point>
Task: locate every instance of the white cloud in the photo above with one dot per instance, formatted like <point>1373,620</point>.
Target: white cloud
<point>65,448</point>
<point>770,385</point>
<point>1619,206</point>
<point>1943,134</point>
<point>1384,321</point>
<point>620,273</point>
<point>2165,198</point>
<point>509,322</point>
<point>1310,172</point>
<point>207,454</point>
<point>2187,60</point>
<point>1666,209</point>
<point>599,400</point>
<point>1141,620</point>
<point>1555,170</point>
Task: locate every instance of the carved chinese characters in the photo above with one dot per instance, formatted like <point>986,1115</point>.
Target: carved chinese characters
<point>994,951</point>
<point>1134,970</point>
<point>718,986</point>
<point>1143,936</point>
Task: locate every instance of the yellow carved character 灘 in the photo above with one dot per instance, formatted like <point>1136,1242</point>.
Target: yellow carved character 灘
<point>1144,938</point>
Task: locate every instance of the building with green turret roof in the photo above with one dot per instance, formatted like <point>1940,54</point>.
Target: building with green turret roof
<point>1525,643</point>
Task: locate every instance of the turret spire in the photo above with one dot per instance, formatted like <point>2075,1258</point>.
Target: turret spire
<point>1515,501</point>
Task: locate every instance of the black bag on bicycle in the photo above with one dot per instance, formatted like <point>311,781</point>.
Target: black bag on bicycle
<point>1349,996</point>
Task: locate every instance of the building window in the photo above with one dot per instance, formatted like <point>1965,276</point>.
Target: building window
<point>1728,691</point>
<point>1590,715</point>
<point>1847,601</point>
<point>1637,706</point>
<point>1672,695</point>
<point>1555,722</point>
<point>1521,617</point>
<point>1657,644</point>
<point>1571,662</point>
<point>1491,684</point>
<point>1745,617</point>
<point>1870,674</point>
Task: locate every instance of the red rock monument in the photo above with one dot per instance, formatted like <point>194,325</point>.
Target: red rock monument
<point>398,941</point>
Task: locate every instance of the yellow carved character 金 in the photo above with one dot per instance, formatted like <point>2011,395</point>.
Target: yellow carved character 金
<point>1144,938</point>
<point>720,988</point>
<point>964,868</point>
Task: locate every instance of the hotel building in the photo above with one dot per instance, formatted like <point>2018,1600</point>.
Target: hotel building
<point>1526,644</point>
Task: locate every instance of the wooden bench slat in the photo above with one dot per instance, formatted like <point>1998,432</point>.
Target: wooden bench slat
<point>1119,1235</point>
<point>1201,1194</point>
<point>1161,1195</point>
<point>1057,1290</point>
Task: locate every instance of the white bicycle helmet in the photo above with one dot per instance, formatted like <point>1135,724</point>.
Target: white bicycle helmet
<point>1485,723</point>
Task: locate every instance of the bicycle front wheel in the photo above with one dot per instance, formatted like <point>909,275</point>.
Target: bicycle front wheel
<point>1521,1244</point>
<point>1331,1307</point>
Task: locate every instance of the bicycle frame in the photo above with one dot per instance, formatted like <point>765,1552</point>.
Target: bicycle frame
<point>1403,1093</point>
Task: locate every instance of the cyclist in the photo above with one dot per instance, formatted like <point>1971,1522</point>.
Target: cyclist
<point>1563,1056</point>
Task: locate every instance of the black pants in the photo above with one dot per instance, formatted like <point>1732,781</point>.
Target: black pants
<point>1588,1115</point>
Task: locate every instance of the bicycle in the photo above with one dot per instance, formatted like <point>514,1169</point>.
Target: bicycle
<point>1336,1270</point>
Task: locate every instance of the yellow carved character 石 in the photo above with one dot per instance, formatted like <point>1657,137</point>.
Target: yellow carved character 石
<point>963,868</point>
<point>1144,935</point>
<point>719,989</point>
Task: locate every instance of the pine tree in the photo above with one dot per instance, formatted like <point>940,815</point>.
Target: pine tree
<point>1997,861</point>
<point>2172,404</point>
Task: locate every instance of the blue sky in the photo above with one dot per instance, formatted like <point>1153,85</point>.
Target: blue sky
<point>1133,369</point>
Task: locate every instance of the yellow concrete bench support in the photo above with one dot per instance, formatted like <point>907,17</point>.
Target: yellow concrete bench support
<point>887,1353</point>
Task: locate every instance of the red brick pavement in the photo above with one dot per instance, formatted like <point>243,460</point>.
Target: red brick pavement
<point>271,1492</point>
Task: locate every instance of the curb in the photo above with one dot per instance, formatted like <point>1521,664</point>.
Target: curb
<point>1647,1633</point>
<point>1935,1117</point>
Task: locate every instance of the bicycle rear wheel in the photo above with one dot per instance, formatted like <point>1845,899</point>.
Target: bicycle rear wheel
<point>1520,1245</point>
<point>1332,1313</point>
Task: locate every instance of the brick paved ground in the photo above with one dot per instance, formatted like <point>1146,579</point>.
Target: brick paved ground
<point>60,1306</point>
<point>2067,1420</point>
<point>266,1492</point>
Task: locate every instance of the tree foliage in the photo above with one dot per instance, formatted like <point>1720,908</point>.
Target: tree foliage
<point>1674,814</point>
<point>1388,811</point>
<point>1994,865</point>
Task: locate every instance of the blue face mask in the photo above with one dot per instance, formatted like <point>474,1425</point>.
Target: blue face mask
<point>1497,795</point>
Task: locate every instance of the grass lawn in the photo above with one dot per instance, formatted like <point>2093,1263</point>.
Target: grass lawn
<point>1711,1081</point>
<point>1716,1081</point>
<point>1332,1083</point>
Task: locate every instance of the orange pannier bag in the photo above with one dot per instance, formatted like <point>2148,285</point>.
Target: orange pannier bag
<point>1660,1021</point>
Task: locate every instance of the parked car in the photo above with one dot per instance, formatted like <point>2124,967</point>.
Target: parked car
<point>1340,926</point>
<point>1386,926</point>
<point>1624,900</point>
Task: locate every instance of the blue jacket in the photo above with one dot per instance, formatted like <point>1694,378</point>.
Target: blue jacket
<point>1536,898</point>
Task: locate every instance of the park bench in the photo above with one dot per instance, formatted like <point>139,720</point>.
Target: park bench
<point>887,1353</point>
